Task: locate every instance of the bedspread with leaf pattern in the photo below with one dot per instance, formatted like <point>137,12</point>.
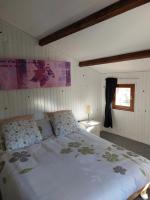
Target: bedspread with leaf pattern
<point>78,166</point>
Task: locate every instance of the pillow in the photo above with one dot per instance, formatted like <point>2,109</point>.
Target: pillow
<point>48,114</point>
<point>20,134</point>
<point>44,128</point>
<point>63,122</point>
<point>3,121</point>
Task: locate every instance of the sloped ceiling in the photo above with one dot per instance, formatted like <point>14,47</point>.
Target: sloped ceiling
<point>125,33</point>
<point>39,17</point>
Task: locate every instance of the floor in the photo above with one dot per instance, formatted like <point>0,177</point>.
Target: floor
<point>137,147</point>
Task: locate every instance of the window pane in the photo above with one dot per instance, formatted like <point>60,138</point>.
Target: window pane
<point>123,96</point>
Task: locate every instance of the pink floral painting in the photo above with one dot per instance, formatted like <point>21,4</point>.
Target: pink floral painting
<point>23,74</point>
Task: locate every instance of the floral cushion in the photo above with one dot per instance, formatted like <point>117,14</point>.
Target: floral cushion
<point>45,128</point>
<point>63,122</point>
<point>7,120</point>
<point>20,134</point>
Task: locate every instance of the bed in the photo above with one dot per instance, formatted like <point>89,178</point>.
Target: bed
<point>76,166</point>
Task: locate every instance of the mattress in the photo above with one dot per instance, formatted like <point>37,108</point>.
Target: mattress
<point>78,166</point>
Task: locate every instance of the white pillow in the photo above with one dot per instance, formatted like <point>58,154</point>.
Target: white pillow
<point>20,134</point>
<point>45,128</point>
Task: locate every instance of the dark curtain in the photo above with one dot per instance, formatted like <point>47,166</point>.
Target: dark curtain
<point>111,84</point>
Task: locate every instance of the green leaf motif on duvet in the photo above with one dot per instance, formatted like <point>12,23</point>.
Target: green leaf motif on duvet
<point>118,147</point>
<point>143,172</point>
<point>26,170</point>
<point>130,153</point>
<point>86,150</point>
<point>126,156</point>
<point>74,144</point>
<point>130,158</point>
<point>66,150</point>
<point>109,148</point>
<point>22,156</point>
<point>111,157</point>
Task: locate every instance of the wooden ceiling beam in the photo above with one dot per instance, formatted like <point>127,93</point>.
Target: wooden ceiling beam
<point>116,58</point>
<point>106,13</point>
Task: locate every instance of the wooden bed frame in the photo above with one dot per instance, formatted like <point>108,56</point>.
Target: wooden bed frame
<point>132,197</point>
<point>140,192</point>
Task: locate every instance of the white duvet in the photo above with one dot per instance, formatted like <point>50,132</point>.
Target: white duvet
<point>79,166</point>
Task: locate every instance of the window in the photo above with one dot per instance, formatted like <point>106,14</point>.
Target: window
<point>124,97</point>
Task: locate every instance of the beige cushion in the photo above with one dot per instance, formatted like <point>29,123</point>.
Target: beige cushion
<point>16,118</point>
<point>47,115</point>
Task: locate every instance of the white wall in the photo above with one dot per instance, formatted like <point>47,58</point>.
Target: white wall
<point>134,125</point>
<point>85,87</point>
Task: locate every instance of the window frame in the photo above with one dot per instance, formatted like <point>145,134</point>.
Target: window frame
<point>132,98</point>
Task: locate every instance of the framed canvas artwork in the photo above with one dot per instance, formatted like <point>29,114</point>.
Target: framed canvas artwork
<point>31,73</point>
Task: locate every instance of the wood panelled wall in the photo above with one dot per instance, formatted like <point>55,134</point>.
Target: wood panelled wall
<point>85,88</point>
<point>134,125</point>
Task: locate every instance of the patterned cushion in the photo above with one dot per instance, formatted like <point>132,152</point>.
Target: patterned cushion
<point>7,120</point>
<point>63,122</point>
<point>45,128</point>
<point>20,134</point>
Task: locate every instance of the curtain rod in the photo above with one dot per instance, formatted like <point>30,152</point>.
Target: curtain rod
<point>129,78</point>
<point>123,78</point>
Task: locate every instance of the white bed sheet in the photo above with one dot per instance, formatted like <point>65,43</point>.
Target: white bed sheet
<point>79,166</point>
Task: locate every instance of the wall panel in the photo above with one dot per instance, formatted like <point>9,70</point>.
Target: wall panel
<point>134,125</point>
<point>85,87</point>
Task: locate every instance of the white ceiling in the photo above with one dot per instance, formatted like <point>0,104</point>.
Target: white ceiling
<point>125,33</point>
<point>127,66</point>
<point>39,17</point>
